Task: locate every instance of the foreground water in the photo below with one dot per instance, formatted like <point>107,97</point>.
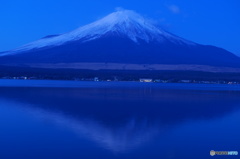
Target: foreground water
<point>110,120</point>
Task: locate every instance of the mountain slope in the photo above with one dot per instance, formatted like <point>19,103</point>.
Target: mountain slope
<point>123,37</point>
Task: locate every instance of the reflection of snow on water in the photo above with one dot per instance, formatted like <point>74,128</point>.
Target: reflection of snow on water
<point>120,139</point>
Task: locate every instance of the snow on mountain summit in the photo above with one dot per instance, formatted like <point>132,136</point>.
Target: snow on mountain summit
<point>123,23</point>
<point>126,23</point>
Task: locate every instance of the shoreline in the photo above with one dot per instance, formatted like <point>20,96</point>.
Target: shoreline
<point>115,84</point>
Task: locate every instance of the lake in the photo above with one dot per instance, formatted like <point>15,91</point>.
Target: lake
<point>117,120</point>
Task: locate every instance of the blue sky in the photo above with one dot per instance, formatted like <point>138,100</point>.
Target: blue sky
<point>211,22</point>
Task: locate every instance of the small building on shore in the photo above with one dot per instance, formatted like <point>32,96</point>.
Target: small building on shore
<point>145,80</point>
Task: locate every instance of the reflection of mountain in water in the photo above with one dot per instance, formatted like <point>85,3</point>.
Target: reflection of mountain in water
<point>122,118</point>
<point>118,139</point>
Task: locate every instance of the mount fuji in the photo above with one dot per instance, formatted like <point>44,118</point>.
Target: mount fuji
<point>123,40</point>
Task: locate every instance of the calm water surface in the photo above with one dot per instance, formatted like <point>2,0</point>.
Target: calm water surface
<point>92,120</point>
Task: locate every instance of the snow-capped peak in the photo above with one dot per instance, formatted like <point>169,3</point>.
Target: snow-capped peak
<point>125,23</point>
<point>121,17</point>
